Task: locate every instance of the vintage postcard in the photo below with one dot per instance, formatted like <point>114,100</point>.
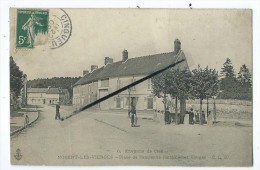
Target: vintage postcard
<point>149,87</point>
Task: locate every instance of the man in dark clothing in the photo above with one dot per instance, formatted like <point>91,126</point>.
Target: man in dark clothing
<point>133,114</point>
<point>203,118</point>
<point>191,116</point>
<point>57,116</point>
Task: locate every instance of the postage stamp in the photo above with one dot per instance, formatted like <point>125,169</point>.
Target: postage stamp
<point>32,24</point>
<point>60,28</point>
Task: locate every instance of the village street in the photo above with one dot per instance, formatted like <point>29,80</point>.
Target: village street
<point>106,138</point>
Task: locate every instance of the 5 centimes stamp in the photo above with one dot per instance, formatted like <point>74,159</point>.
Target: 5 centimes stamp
<point>31,28</point>
<point>60,28</point>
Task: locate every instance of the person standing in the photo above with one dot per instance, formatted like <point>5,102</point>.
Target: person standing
<point>191,116</point>
<point>203,119</point>
<point>57,116</point>
<point>133,115</point>
<point>209,120</point>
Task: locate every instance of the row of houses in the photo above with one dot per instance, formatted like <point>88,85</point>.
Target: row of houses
<point>47,96</point>
<point>112,76</point>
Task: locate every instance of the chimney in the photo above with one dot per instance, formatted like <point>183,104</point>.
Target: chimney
<point>177,45</point>
<point>125,55</point>
<point>93,67</point>
<point>108,60</point>
<point>85,72</point>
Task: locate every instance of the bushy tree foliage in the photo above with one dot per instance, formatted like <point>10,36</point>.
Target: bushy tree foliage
<point>175,83</point>
<point>233,87</point>
<point>244,77</point>
<point>161,85</point>
<point>228,80</point>
<point>179,87</point>
<point>16,76</point>
<point>204,84</point>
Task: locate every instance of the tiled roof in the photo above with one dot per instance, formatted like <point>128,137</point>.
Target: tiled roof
<point>131,67</point>
<point>53,91</point>
<point>47,90</point>
<point>37,90</point>
<point>64,91</point>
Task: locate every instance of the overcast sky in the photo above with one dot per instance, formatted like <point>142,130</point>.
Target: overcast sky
<point>208,37</point>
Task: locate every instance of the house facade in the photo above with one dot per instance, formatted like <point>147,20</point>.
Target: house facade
<point>47,96</point>
<point>115,75</point>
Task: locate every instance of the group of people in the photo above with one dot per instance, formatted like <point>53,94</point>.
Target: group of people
<point>194,117</point>
<point>171,117</point>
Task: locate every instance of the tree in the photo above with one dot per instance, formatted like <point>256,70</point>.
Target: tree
<point>244,77</point>
<point>16,76</point>
<point>228,80</point>
<point>228,70</point>
<point>204,84</point>
<point>179,88</point>
<point>161,87</point>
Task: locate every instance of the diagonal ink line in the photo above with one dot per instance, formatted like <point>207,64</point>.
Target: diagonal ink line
<point>123,88</point>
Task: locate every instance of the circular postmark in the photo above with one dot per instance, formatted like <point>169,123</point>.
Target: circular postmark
<point>60,28</point>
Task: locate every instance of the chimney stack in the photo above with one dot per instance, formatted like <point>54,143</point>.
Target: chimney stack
<point>125,55</point>
<point>85,72</point>
<point>177,45</point>
<point>93,67</point>
<point>108,60</point>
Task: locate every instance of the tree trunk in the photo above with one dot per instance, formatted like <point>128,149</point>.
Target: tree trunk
<point>164,104</point>
<point>214,111</point>
<point>183,109</point>
<point>176,110</point>
<point>200,111</point>
<point>207,107</point>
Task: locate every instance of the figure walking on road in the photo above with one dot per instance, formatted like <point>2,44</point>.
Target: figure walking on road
<point>57,116</point>
<point>133,115</point>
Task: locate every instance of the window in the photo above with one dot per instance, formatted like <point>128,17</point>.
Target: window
<point>118,84</point>
<point>133,88</point>
<point>150,103</point>
<point>89,88</point>
<point>118,102</point>
<point>105,83</point>
<point>149,84</point>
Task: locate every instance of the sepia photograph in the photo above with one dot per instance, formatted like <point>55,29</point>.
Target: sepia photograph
<point>131,87</point>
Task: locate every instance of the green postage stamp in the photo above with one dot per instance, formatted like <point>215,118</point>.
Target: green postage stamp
<point>31,23</point>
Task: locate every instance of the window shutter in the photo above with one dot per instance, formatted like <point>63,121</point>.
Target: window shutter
<point>122,102</point>
<point>145,103</point>
<point>154,103</point>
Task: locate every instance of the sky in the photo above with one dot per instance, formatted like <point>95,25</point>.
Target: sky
<point>207,37</point>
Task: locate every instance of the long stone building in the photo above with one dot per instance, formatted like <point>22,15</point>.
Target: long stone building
<point>115,75</point>
<point>47,96</point>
